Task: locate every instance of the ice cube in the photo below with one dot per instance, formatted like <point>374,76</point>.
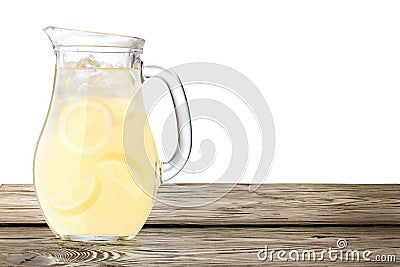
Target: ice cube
<point>112,82</point>
<point>87,62</point>
<point>70,80</point>
<point>97,78</point>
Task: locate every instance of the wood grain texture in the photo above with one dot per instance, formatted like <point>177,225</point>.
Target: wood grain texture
<point>271,204</point>
<point>36,246</point>
<point>229,231</point>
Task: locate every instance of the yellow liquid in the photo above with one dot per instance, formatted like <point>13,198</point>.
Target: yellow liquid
<point>82,179</point>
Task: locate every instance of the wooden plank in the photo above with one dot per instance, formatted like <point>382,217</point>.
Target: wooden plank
<point>36,246</point>
<point>271,204</point>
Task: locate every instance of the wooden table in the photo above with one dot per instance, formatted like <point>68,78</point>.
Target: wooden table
<point>230,231</point>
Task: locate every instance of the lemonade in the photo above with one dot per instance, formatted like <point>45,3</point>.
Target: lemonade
<point>82,179</point>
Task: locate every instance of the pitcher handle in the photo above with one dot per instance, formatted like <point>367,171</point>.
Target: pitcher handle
<point>181,155</point>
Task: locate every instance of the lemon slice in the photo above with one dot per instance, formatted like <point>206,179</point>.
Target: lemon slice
<point>115,168</point>
<point>77,198</point>
<point>85,125</point>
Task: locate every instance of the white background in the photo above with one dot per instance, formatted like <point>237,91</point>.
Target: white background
<point>329,70</point>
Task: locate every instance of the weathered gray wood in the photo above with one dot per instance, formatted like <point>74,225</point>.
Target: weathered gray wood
<point>271,204</point>
<point>36,246</point>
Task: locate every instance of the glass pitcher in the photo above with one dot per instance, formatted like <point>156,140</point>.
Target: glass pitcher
<point>88,186</point>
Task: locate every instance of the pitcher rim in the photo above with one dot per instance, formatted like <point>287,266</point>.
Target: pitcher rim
<point>93,39</point>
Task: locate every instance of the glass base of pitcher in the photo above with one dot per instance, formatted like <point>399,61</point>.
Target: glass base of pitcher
<point>94,238</point>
